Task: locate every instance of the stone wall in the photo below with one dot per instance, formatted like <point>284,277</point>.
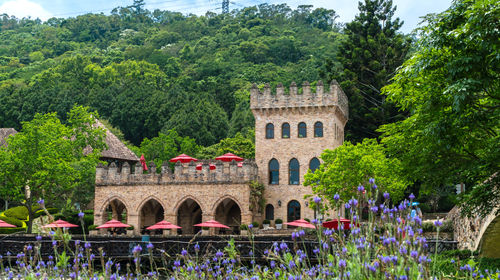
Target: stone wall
<point>208,188</point>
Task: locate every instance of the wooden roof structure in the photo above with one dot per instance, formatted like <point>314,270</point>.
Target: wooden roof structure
<point>116,149</point>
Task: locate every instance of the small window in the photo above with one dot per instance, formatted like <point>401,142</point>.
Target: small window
<point>269,212</point>
<point>302,130</point>
<point>314,164</point>
<point>293,211</point>
<point>285,130</point>
<point>269,131</point>
<point>274,172</point>
<point>294,172</point>
<point>318,129</point>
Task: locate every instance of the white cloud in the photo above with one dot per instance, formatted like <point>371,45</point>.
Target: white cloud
<point>24,8</point>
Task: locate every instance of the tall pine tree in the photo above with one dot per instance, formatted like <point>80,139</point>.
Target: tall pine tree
<point>369,55</point>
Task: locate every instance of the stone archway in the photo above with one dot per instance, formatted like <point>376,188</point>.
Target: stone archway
<point>189,213</point>
<point>116,210</point>
<point>490,239</point>
<point>229,213</point>
<point>150,213</point>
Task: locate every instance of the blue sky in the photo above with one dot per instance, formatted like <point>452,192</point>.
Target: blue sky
<point>408,10</point>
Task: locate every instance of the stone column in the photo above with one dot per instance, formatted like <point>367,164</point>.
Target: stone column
<point>133,220</point>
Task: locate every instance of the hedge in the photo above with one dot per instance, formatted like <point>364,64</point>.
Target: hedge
<point>12,221</point>
<point>11,230</point>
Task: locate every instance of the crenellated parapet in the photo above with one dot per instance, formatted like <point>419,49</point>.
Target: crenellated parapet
<point>184,173</point>
<point>309,97</point>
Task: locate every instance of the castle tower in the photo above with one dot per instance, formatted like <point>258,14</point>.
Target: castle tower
<point>291,131</point>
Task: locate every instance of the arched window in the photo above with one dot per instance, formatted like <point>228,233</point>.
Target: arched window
<point>293,171</point>
<point>269,131</point>
<point>269,212</point>
<point>314,164</point>
<point>285,130</point>
<point>318,129</point>
<point>274,172</point>
<point>302,130</point>
<point>293,211</point>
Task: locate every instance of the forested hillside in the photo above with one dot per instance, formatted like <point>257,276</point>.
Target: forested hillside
<point>150,72</point>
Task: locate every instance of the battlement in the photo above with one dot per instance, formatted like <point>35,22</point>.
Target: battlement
<point>321,97</point>
<point>184,173</point>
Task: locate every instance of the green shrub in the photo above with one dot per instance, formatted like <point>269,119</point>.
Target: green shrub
<point>244,227</point>
<point>51,211</point>
<point>307,219</point>
<point>459,254</point>
<point>12,221</point>
<point>18,212</point>
<point>278,221</point>
<point>255,224</point>
<point>93,227</point>
<point>89,212</point>
<point>447,226</point>
<point>266,222</point>
<point>424,207</point>
<point>11,230</point>
<point>428,227</point>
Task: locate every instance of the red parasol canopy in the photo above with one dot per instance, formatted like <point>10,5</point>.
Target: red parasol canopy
<point>60,224</point>
<point>301,223</point>
<point>143,162</point>
<point>229,157</point>
<point>183,158</point>
<point>212,224</point>
<point>113,224</point>
<point>6,225</point>
<point>335,223</point>
<point>163,225</point>
<point>200,165</point>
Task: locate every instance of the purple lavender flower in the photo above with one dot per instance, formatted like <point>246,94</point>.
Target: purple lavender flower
<point>196,247</point>
<point>412,196</point>
<point>219,254</point>
<point>150,246</point>
<point>184,252</point>
<point>38,238</point>
<point>137,249</point>
<point>336,197</point>
<point>386,195</point>
<point>374,186</point>
<point>342,263</point>
<point>41,202</point>
<point>361,188</point>
<point>81,215</point>
<point>250,226</point>
<point>317,199</point>
<point>438,223</point>
<point>372,181</point>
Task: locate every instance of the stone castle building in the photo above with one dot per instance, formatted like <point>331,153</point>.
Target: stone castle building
<point>291,131</point>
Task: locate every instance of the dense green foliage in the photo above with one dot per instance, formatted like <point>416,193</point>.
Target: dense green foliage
<point>349,166</point>
<point>451,87</point>
<point>46,160</point>
<point>153,71</point>
<point>370,54</point>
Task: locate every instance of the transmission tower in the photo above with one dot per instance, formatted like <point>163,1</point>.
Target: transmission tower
<point>225,6</point>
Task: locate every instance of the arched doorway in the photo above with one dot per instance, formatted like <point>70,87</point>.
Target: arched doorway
<point>293,211</point>
<point>151,213</point>
<point>229,213</point>
<point>116,210</point>
<point>188,214</point>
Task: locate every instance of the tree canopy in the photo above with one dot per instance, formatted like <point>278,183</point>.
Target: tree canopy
<point>51,160</point>
<point>450,86</point>
<point>349,166</point>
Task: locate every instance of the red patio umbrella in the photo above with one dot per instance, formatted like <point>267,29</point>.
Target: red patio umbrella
<point>183,158</point>
<point>163,225</point>
<point>229,157</point>
<point>6,225</point>
<point>335,223</point>
<point>143,162</point>
<point>113,224</point>
<point>301,223</point>
<point>60,224</point>
<point>200,165</point>
<point>211,224</point>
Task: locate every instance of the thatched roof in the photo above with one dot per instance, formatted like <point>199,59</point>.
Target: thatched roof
<point>116,149</point>
<point>4,133</point>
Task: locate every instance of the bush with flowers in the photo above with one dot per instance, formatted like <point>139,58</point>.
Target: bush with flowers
<point>388,245</point>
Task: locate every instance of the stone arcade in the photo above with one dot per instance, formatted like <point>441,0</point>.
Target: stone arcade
<point>291,131</point>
